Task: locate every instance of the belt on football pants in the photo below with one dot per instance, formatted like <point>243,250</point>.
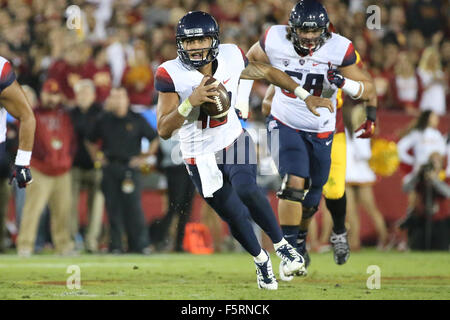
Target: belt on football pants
<point>320,135</point>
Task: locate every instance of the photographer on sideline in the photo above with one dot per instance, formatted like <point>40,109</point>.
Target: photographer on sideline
<point>428,220</point>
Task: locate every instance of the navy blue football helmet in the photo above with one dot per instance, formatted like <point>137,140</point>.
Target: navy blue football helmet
<point>308,15</point>
<point>197,24</point>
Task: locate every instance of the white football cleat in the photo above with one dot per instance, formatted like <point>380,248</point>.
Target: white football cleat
<point>264,275</point>
<point>292,263</point>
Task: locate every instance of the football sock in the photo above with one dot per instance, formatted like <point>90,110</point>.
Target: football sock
<point>337,209</point>
<point>261,257</point>
<point>301,237</point>
<point>290,234</point>
<point>279,244</point>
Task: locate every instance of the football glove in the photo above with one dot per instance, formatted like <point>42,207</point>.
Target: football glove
<point>335,77</point>
<point>22,174</point>
<point>367,129</point>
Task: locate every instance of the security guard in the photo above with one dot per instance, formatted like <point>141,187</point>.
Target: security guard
<point>120,132</point>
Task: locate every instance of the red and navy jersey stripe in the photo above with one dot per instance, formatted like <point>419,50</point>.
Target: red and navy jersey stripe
<point>163,81</point>
<point>7,76</point>
<point>350,56</point>
<point>245,58</point>
<point>262,40</point>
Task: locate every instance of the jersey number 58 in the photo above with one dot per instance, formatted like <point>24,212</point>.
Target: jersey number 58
<point>313,81</point>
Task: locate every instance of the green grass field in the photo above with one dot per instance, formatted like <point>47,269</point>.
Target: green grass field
<point>223,276</point>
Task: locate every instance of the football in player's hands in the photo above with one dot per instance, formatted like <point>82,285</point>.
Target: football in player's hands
<point>220,108</point>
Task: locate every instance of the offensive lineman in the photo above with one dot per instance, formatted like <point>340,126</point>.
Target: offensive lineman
<point>229,188</point>
<point>14,101</point>
<point>309,52</point>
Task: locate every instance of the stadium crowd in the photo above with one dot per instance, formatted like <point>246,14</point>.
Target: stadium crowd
<point>120,43</point>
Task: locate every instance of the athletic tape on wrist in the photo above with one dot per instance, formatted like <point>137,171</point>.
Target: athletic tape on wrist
<point>352,88</point>
<point>301,93</point>
<point>185,108</point>
<point>23,158</point>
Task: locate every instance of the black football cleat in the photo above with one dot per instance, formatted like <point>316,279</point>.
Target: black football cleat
<point>341,249</point>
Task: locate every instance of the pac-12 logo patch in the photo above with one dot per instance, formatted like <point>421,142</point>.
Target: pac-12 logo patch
<point>286,62</point>
<point>302,61</point>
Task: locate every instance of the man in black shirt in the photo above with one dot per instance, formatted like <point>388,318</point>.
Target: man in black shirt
<point>121,131</point>
<point>84,174</point>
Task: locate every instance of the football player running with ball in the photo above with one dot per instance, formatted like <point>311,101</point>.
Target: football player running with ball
<point>210,147</point>
<point>309,52</point>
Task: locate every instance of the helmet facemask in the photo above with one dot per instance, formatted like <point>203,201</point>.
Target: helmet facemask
<point>206,55</point>
<point>308,45</point>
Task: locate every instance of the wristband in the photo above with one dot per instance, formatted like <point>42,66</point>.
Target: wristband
<point>185,108</point>
<point>371,113</point>
<point>23,158</point>
<point>352,88</point>
<point>301,93</point>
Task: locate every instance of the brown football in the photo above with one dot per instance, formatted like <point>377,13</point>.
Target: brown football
<point>219,109</point>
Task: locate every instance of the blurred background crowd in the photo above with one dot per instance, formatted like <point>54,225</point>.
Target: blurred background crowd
<point>120,43</point>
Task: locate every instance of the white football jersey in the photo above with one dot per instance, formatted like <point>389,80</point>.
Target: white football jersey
<point>200,134</point>
<point>7,76</point>
<point>311,73</point>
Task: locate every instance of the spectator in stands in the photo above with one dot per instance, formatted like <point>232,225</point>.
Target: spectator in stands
<point>121,131</point>
<point>85,175</point>
<point>416,45</point>
<point>97,69</point>
<point>138,77</point>
<point>433,80</point>
<point>406,86</point>
<point>426,16</point>
<point>53,152</point>
<point>67,71</point>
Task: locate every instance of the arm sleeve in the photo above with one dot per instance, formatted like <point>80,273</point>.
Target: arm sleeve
<point>163,81</point>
